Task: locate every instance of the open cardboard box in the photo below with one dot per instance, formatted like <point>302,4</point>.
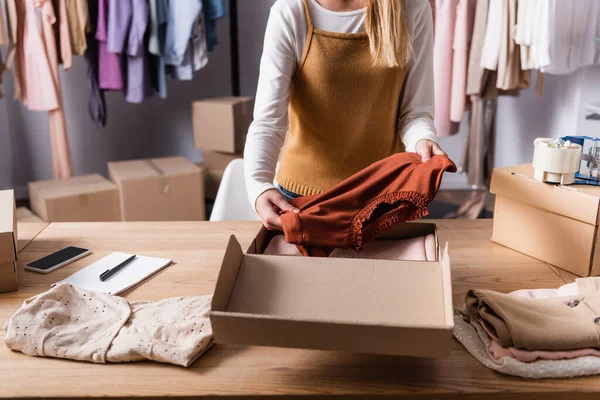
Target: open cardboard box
<point>352,305</point>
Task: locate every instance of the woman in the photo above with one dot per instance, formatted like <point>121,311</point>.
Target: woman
<point>353,82</point>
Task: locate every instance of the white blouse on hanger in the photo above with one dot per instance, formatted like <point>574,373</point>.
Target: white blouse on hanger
<point>542,25</point>
<point>574,35</point>
<point>524,32</point>
<point>493,35</point>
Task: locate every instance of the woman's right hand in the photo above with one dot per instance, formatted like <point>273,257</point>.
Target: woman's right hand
<point>268,206</point>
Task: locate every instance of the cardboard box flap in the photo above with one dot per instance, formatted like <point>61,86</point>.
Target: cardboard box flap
<point>230,267</point>
<point>447,286</point>
<point>134,169</point>
<point>581,203</point>
<point>8,227</point>
<point>175,166</point>
<point>139,169</point>
<point>75,186</point>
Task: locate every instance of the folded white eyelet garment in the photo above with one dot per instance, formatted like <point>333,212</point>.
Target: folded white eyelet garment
<point>72,323</point>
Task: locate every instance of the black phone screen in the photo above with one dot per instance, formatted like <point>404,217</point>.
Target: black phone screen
<point>57,258</point>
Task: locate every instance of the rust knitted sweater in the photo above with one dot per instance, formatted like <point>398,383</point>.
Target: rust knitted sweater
<point>359,209</point>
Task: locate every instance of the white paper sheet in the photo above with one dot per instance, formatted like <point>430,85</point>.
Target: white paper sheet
<point>133,274</point>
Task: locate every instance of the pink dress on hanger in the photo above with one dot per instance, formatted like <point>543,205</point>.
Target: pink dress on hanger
<point>39,75</point>
<point>442,65</point>
<point>463,31</point>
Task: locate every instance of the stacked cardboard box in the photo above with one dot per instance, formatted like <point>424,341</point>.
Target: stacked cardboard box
<point>159,189</point>
<point>220,128</point>
<point>8,242</point>
<point>87,198</point>
<point>164,189</point>
<point>214,165</point>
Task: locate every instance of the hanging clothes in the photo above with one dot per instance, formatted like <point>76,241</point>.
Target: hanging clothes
<point>432,4</point>
<point>120,14</point>
<point>213,11</point>
<point>2,69</point>
<point>478,154</point>
<point>109,70</point>
<point>199,45</point>
<point>127,23</point>
<point>62,36</point>
<point>13,34</point>
<point>476,74</point>
<point>541,25</point>
<point>3,41</point>
<point>159,16</point>
<point>183,15</point>
<point>139,86</point>
<point>478,158</point>
<point>40,81</point>
<point>497,19</point>
<point>463,32</point>
<point>96,101</point>
<point>574,35</point>
<point>32,55</point>
<point>442,65</point>
<point>524,32</point>
<point>510,75</point>
<point>79,24</point>
<point>3,33</point>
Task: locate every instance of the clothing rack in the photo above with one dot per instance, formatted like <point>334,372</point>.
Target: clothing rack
<point>234,45</point>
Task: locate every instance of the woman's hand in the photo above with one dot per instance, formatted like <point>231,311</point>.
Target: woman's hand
<point>268,206</point>
<point>427,149</point>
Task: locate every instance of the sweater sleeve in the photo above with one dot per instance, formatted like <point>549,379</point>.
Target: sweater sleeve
<point>418,99</point>
<point>267,133</point>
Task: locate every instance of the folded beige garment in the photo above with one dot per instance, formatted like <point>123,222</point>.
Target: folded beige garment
<point>473,337</point>
<point>564,323</point>
<point>415,249</point>
<point>69,322</point>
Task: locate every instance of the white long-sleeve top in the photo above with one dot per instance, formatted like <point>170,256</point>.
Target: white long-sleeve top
<point>283,47</point>
<point>497,20</point>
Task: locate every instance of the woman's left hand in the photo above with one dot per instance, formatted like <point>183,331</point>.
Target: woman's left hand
<point>427,149</point>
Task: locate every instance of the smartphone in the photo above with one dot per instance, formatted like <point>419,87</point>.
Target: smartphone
<point>56,260</point>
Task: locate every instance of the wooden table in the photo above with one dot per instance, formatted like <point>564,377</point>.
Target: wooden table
<point>231,371</point>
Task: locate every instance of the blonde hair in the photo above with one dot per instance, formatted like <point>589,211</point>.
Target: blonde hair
<point>388,33</point>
